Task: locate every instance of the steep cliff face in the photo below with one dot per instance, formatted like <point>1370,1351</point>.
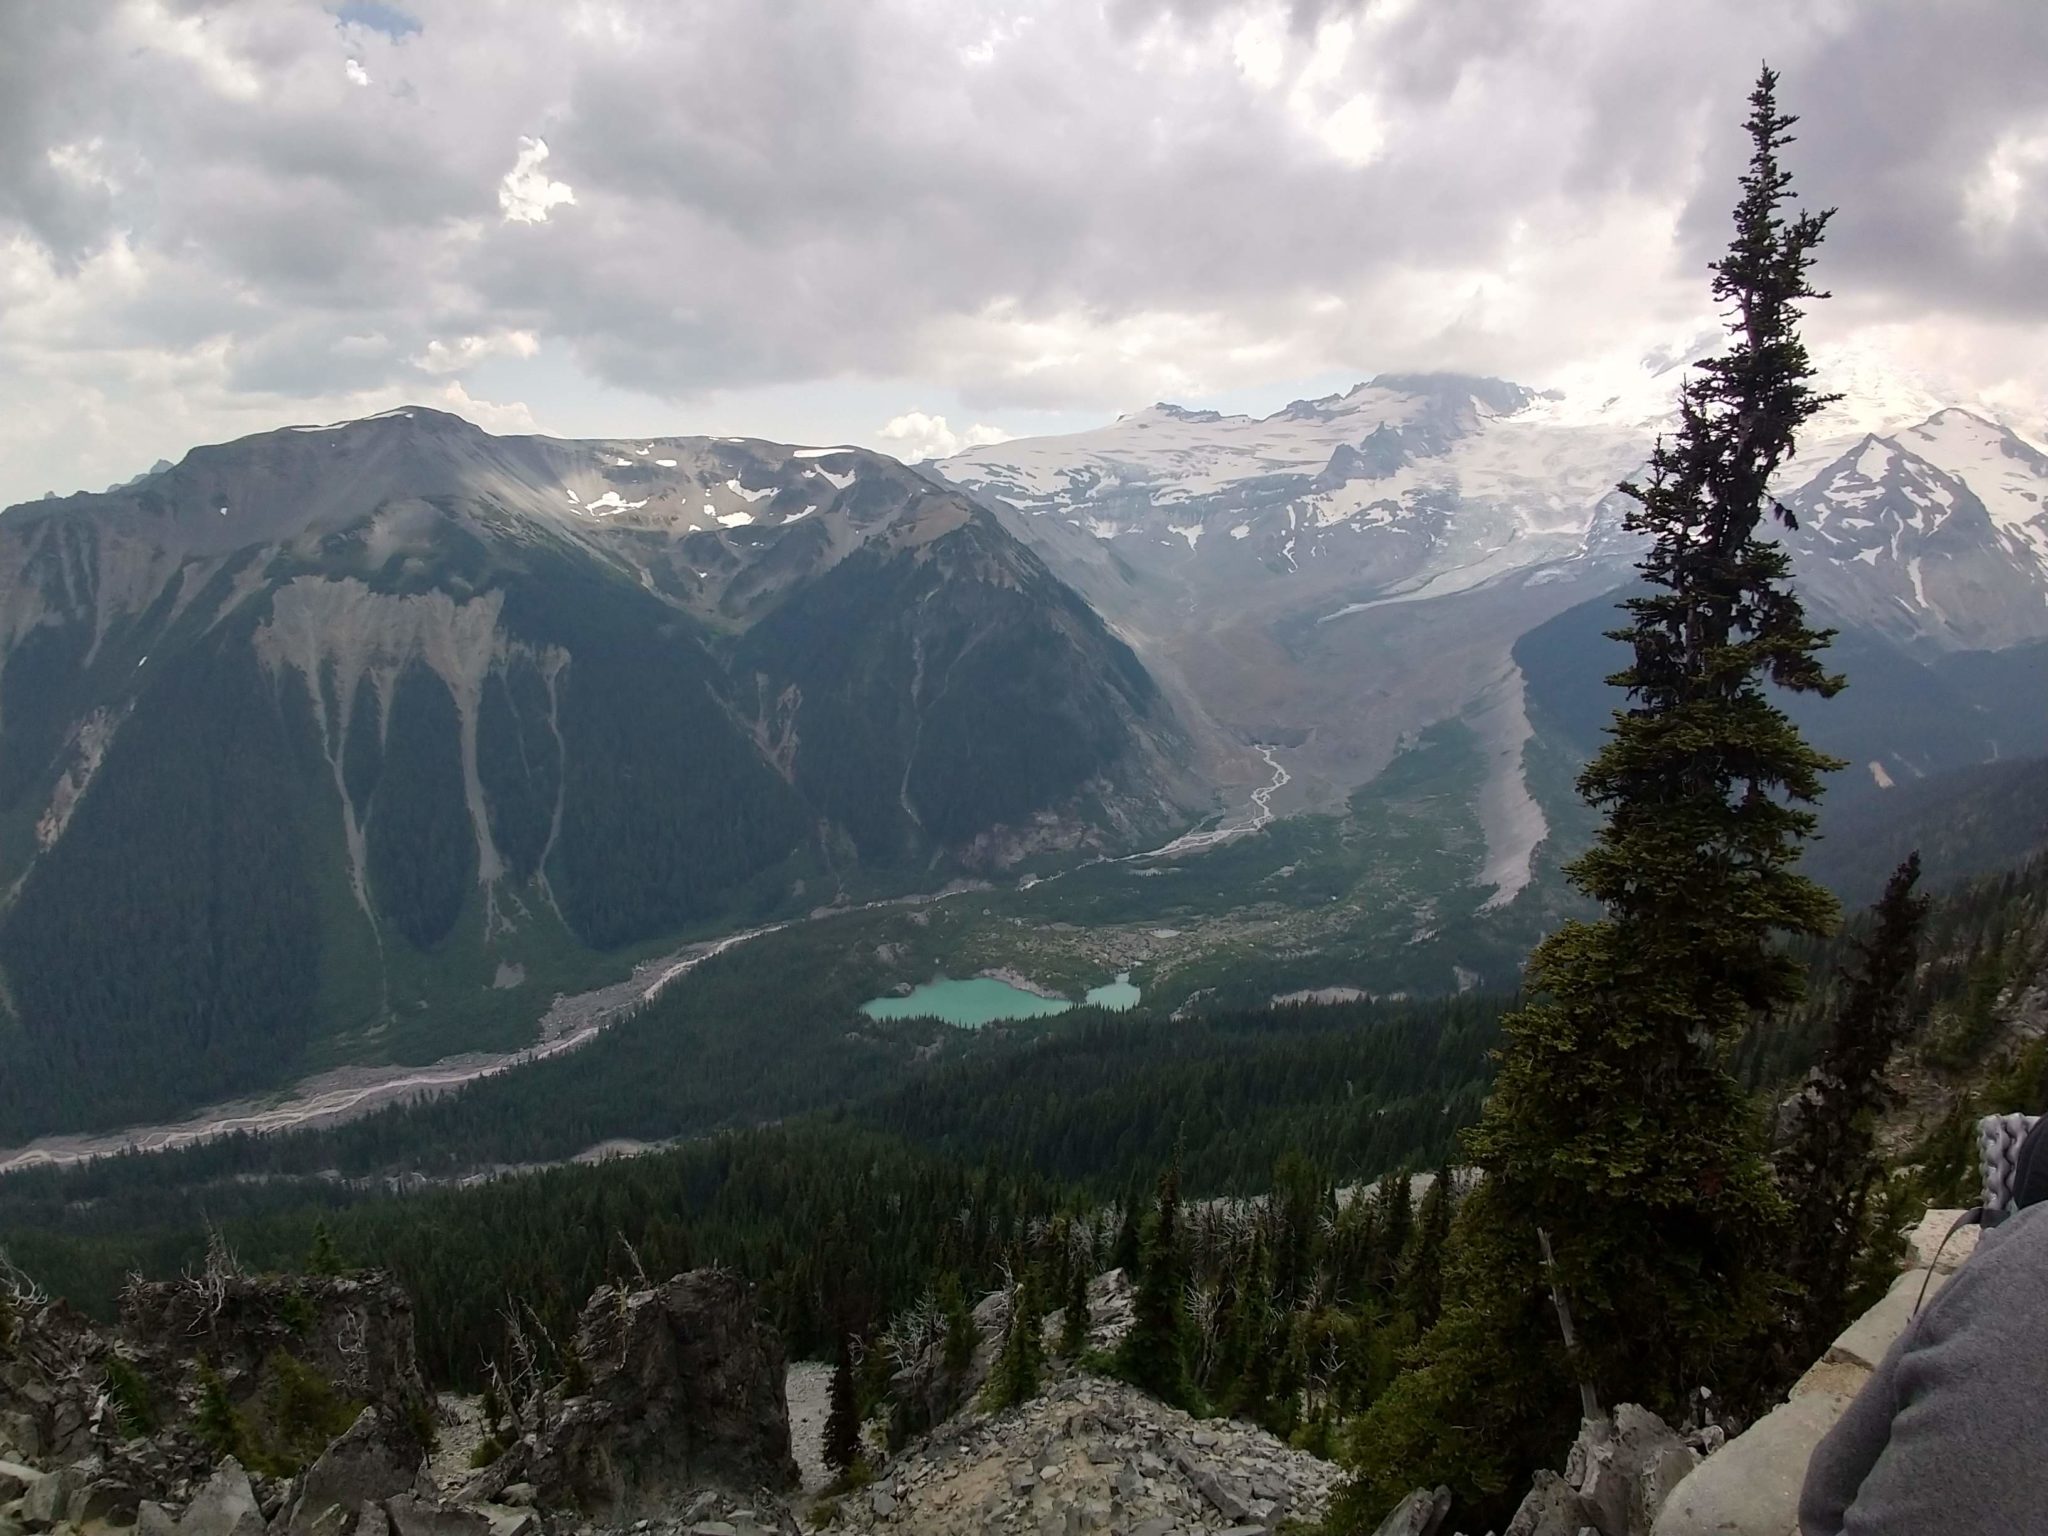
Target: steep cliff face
<point>684,1386</point>
<point>354,741</point>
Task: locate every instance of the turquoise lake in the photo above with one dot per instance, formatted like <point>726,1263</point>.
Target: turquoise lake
<point>984,1000</point>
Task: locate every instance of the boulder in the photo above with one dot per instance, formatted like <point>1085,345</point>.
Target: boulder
<point>1225,1499</point>
<point>48,1496</point>
<point>19,1429</point>
<point>411,1515</point>
<point>152,1519</point>
<point>14,1480</point>
<point>371,1462</point>
<point>1625,1468</point>
<point>1420,1514</point>
<point>226,1506</point>
<point>414,1516</point>
<point>1552,1507</point>
<point>508,1521</point>
<point>104,1501</point>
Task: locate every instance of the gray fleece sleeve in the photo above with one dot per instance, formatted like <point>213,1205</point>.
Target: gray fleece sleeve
<point>1846,1454</point>
<point>1946,1436</point>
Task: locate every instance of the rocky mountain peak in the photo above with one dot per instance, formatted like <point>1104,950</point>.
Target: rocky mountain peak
<point>1497,396</point>
<point>1898,534</point>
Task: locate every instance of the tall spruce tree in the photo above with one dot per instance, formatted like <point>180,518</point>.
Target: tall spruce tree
<point>1074,1326</point>
<point>1420,1284</point>
<point>1019,1367</point>
<point>1614,1124</point>
<point>1394,1201</point>
<point>1153,1355</point>
<point>1829,1163</point>
<point>842,1417</point>
<point>323,1258</point>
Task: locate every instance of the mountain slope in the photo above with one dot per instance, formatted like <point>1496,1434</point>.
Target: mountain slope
<point>359,742</point>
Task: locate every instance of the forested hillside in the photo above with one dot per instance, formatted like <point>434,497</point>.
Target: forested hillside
<point>361,743</point>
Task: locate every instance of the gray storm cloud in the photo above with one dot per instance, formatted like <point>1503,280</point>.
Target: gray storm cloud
<point>216,215</point>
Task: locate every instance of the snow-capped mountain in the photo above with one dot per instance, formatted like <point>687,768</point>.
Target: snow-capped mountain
<point>1421,484</point>
<point>1334,578</point>
<point>1389,482</point>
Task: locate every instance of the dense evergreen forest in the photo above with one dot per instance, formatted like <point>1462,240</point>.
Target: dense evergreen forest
<point>1082,1112</point>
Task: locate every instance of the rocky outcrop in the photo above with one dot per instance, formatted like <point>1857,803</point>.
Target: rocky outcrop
<point>352,1334</point>
<point>1420,1514</point>
<point>1092,1455</point>
<point>50,1400</point>
<point>685,1387</point>
<point>236,1405</point>
<point>1619,1473</point>
<point>192,1417</point>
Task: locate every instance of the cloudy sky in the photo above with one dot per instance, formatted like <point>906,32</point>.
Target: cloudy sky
<point>920,223</point>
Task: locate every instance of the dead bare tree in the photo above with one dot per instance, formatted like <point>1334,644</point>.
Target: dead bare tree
<point>19,1288</point>
<point>215,1280</point>
<point>527,1386</point>
<point>1322,1377</point>
<point>633,1254</point>
<point>1204,1309</point>
<point>916,1346</point>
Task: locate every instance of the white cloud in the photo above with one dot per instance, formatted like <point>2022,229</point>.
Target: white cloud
<point>527,195</point>
<point>1355,132</point>
<point>1998,196</point>
<point>357,75</point>
<point>193,38</point>
<point>993,40</point>
<point>84,163</point>
<point>914,436</point>
<point>464,352</point>
<point>492,415</point>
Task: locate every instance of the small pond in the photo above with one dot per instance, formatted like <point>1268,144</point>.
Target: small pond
<point>1116,996</point>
